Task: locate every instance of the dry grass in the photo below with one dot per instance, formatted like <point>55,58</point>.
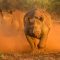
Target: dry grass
<point>27,56</point>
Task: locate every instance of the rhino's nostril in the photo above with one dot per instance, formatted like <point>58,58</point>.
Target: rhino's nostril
<point>41,19</point>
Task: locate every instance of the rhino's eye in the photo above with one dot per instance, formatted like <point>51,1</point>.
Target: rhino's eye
<point>41,19</point>
<point>36,17</point>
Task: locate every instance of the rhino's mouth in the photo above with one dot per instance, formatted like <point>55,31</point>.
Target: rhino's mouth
<point>31,34</point>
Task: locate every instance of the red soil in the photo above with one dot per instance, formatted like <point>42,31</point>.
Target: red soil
<point>19,43</point>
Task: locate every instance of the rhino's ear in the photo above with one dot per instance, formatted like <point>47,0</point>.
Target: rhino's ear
<point>29,14</point>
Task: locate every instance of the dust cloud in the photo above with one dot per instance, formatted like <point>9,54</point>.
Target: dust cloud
<point>12,37</point>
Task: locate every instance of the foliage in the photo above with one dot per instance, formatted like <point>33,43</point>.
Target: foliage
<point>50,5</point>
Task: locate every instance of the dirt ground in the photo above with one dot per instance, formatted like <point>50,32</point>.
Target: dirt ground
<point>53,42</point>
<point>17,42</point>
